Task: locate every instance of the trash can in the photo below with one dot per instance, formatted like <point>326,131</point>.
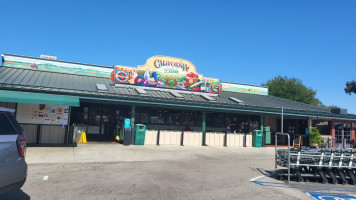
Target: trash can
<point>257,138</point>
<point>267,133</point>
<point>140,130</point>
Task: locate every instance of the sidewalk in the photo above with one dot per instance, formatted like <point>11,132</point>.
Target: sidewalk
<point>120,153</point>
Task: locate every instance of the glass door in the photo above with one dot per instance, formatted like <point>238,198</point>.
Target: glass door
<point>342,132</point>
<point>347,134</point>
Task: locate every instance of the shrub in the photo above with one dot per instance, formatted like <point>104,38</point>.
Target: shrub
<point>314,136</point>
<point>353,143</point>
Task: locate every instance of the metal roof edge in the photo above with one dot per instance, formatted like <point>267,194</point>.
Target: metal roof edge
<point>296,102</point>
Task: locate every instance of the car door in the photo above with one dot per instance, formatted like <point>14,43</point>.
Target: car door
<point>9,156</point>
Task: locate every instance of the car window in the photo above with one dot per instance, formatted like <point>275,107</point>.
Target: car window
<point>6,127</point>
<point>15,123</point>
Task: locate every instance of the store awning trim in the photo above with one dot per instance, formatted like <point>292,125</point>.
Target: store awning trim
<point>38,98</point>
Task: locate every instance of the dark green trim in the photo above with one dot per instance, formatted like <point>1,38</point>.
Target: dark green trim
<point>194,105</point>
<point>203,125</point>
<point>133,110</point>
<point>38,98</point>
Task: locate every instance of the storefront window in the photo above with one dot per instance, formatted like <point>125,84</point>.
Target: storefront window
<point>192,118</point>
<point>234,123</point>
<point>158,116</point>
<point>323,126</point>
<point>216,120</point>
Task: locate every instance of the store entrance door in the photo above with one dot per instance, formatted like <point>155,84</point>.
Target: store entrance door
<point>342,132</point>
<point>113,117</point>
<point>99,120</point>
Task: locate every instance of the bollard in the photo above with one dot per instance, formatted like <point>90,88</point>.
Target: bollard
<point>204,139</point>
<point>182,138</point>
<point>244,140</point>
<point>344,144</point>
<point>225,139</point>
<point>158,133</point>
<point>133,135</point>
<point>127,137</point>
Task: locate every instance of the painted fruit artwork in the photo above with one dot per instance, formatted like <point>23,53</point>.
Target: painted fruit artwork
<point>190,81</point>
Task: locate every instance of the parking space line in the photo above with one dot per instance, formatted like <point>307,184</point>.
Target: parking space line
<point>304,187</point>
<point>45,178</point>
<point>253,179</point>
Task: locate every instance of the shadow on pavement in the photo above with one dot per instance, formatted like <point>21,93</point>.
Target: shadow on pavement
<point>16,194</point>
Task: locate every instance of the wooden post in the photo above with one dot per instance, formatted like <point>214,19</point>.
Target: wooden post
<point>310,124</point>
<point>333,132</point>
<point>352,131</point>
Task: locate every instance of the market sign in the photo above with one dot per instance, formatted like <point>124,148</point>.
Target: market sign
<point>166,64</point>
<point>166,72</point>
<point>235,87</point>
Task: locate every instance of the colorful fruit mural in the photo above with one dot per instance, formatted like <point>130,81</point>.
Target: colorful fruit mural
<point>166,76</point>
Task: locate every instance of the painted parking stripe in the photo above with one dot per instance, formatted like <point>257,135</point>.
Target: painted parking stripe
<point>305,187</point>
<point>258,177</point>
<point>45,178</point>
<point>332,196</point>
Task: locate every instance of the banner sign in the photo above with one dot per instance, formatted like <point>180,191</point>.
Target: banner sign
<point>234,87</point>
<point>166,72</point>
<point>53,65</point>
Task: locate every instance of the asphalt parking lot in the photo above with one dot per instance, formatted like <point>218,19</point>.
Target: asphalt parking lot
<point>112,171</point>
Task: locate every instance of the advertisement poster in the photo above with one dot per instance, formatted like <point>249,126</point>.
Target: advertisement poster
<point>42,114</point>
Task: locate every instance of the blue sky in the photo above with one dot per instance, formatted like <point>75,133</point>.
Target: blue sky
<point>247,41</point>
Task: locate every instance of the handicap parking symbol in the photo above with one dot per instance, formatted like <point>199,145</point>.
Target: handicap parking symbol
<point>332,196</point>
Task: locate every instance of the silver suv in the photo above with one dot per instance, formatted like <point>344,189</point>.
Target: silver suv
<point>13,167</point>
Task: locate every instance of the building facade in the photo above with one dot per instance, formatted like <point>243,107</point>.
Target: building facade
<point>54,98</point>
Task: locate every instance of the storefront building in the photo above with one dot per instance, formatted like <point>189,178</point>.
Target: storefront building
<point>52,98</point>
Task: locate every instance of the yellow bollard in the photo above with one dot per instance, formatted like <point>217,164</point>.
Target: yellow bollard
<point>85,138</point>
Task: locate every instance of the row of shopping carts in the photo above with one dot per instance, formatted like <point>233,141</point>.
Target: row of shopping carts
<point>326,165</point>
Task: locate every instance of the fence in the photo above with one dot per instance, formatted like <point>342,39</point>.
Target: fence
<point>194,138</point>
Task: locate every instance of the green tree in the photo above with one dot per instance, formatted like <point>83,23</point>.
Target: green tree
<point>292,89</point>
<point>350,87</point>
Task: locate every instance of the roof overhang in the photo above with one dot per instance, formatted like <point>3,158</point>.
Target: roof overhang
<point>38,98</point>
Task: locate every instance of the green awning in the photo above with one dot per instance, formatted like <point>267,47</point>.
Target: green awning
<point>38,98</point>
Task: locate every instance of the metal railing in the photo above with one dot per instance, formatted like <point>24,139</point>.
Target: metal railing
<point>322,157</point>
<point>276,154</point>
